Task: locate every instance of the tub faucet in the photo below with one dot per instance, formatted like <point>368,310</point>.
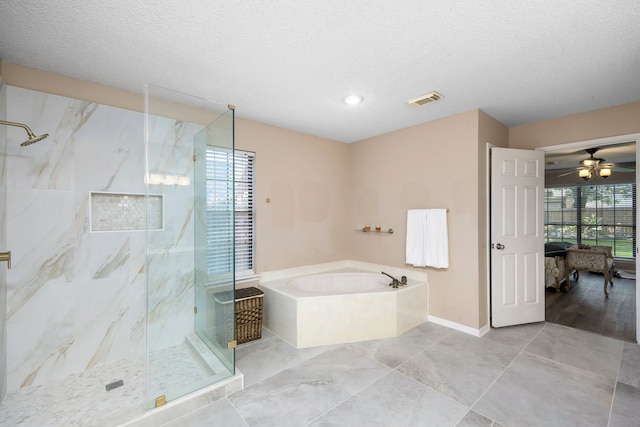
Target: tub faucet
<point>395,282</point>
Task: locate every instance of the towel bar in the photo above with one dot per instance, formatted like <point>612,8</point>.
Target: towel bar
<point>364,230</point>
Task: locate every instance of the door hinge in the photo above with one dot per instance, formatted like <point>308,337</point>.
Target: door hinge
<point>232,344</point>
<point>195,309</point>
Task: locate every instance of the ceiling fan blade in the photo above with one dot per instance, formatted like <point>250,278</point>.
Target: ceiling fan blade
<point>566,173</point>
<point>617,169</point>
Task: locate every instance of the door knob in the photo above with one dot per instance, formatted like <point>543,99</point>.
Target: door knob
<point>6,256</point>
<point>500,246</point>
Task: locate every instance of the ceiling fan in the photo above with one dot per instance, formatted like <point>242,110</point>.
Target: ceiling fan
<point>593,166</point>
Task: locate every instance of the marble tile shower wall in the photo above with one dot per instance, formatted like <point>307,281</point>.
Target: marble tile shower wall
<point>76,299</point>
<point>171,256</point>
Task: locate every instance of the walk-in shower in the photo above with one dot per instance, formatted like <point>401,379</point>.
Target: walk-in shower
<point>32,136</point>
<point>109,293</point>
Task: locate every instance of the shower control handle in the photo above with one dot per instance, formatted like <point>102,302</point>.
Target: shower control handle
<point>6,256</point>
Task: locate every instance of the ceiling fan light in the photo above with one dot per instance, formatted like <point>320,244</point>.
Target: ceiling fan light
<point>584,174</point>
<point>605,172</point>
<point>590,162</point>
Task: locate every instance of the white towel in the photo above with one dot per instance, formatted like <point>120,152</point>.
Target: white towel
<point>427,242</point>
<point>416,229</point>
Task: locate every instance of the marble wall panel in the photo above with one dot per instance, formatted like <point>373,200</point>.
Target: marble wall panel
<point>171,260</point>
<point>116,137</point>
<point>39,335</point>
<point>41,233</point>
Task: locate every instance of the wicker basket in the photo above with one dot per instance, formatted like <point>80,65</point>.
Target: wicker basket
<point>248,314</point>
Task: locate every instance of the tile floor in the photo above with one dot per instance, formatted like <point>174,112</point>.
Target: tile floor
<point>81,399</point>
<point>534,375</point>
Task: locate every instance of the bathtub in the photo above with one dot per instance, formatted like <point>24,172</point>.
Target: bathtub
<point>342,305</point>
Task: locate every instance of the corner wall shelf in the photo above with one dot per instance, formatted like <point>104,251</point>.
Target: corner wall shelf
<point>364,230</point>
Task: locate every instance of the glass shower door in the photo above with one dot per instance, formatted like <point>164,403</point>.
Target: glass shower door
<point>181,320</point>
<point>3,239</point>
<point>215,239</point>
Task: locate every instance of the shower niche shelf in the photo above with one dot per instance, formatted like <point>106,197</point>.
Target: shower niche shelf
<point>126,212</point>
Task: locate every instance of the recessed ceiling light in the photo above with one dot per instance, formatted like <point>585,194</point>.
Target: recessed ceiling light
<point>353,99</point>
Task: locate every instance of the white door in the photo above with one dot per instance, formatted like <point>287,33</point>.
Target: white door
<point>517,238</point>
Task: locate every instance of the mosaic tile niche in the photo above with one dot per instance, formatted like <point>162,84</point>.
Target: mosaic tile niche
<point>118,212</point>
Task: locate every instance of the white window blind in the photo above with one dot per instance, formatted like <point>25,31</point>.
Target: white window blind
<point>602,215</point>
<point>227,190</point>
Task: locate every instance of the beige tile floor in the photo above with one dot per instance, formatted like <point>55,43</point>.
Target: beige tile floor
<point>534,375</point>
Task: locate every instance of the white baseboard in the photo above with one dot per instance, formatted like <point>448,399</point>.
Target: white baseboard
<point>458,327</point>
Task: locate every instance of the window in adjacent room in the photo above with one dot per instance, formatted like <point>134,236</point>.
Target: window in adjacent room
<point>229,189</point>
<point>602,215</point>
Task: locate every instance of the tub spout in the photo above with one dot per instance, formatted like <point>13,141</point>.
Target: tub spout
<point>388,275</point>
<point>395,282</point>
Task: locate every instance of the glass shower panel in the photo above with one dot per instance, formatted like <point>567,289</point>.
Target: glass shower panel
<point>179,361</point>
<point>214,238</point>
<point>3,239</point>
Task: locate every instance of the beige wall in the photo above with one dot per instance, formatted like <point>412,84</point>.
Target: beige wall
<point>433,165</point>
<point>619,120</point>
<point>305,178</point>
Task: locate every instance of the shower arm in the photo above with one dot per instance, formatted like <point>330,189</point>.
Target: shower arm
<point>20,125</point>
<point>32,136</point>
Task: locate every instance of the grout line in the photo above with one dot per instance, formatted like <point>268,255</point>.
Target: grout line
<point>354,394</point>
<point>236,411</point>
<point>505,369</point>
<point>572,366</point>
<point>615,386</point>
<point>347,347</point>
<point>391,371</point>
<point>294,363</point>
<point>537,356</point>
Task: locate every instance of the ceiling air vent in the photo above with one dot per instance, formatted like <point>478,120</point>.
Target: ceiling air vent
<point>426,99</point>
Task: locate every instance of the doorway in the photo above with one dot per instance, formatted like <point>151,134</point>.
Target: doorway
<point>583,305</point>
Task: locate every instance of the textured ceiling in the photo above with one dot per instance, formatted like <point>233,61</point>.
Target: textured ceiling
<point>289,63</point>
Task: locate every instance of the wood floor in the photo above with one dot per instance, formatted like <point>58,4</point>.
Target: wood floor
<point>585,307</point>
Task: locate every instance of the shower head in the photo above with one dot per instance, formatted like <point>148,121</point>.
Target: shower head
<point>32,136</point>
<point>33,139</point>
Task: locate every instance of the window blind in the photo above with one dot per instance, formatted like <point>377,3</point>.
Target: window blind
<point>230,213</point>
<point>603,215</point>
